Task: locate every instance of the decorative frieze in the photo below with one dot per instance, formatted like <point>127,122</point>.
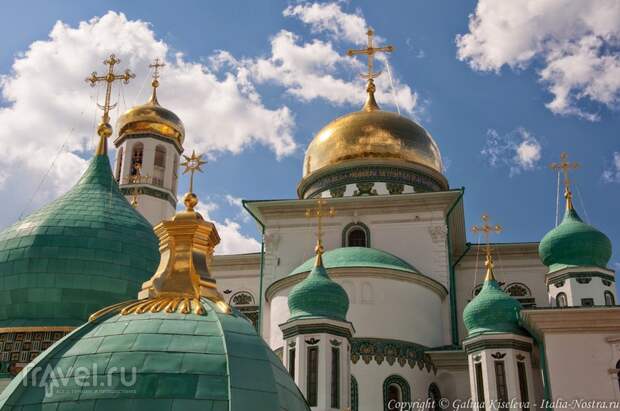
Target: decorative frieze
<point>391,351</point>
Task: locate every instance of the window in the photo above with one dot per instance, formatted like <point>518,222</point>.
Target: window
<point>159,166</point>
<point>312,378</point>
<point>291,362</point>
<point>560,300</point>
<point>395,389</point>
<point>119,164</point>
<point>434,395</point>
<point>500,383</point>
<point>523,384</point>
<point>356,235</point>
<point>609,298</point>
<point>244,302</point>
<point>587,302</point>
<point>335,400</point>
<point>480,387</point>
<point>175,174</point>
<point>355,397</point>
<point>136,158</point>
<point>522,293</point>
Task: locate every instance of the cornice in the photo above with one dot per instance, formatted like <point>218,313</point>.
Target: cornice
<point>232,262</point>
<point>449,359</point>
<point>572,319</point>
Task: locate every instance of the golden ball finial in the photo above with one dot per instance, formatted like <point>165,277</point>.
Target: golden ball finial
<point>104,130</point>
<point>190,200</point>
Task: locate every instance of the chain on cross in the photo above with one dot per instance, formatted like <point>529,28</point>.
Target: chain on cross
<point>487,229</point>
<point>564,166</point>
<point>320,212</point>
<point>109,78</point>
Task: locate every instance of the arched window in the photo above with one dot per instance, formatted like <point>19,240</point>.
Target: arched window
<point>355,397</point>
<point>136,158</point>
<point>244,302</point>
<point>434,395</point>
<point>159,166</point>
<point>395,390</point>
<point>522,293</point>
<point>356,235</point>
<point>175,174</point>
<point>560,300</point>
<point>609,298</point>
<point>119,164</point>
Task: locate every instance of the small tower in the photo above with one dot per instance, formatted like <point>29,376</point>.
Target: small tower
<point>498,349</point>
<point>318,336</point>
<point>577,255</point>
<point>149,143</point>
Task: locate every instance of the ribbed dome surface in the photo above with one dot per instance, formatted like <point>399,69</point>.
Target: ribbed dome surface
<point>574,243</point>
<point>86,250</point>
<point>492,310</point>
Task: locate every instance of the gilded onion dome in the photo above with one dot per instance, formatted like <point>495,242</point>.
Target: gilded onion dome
<point>151,118</point>
<point>371,146</point>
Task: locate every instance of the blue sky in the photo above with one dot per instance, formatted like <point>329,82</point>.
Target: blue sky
<point>502,102</point>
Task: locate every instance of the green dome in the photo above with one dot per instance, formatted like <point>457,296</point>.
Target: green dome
<point>358,257</point>
<point>183,362</point>
<point>84,251</point>
<point>574,243</point>
<point>492,310</point>
<point>318,296</point>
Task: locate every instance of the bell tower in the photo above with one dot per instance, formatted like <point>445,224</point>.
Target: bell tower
<point>149,143</point>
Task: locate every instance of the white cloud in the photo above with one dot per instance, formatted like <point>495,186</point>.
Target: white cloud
<point>612,173</point>
<point>575,42</point>
<point>518,150</point>
<point>49,112</point>
<point>233,240</point>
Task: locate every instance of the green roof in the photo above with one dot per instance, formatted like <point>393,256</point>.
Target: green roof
<point>318,296</point>
<point>358,257</point>
<point>84,251</point>
<point>574,243</point>
<point>492,311</point>
<point>183,362</point>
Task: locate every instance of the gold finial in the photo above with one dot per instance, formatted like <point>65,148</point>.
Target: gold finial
<point>135,179</point>
<point>319,212</point>
<point>192,164</point>
<point>155,83</point>
<point>370,51</point>
<point>564,166</point>
<point>105,129</point>
<point>486,229</point>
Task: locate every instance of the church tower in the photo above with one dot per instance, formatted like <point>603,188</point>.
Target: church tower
<point>577,255</point>
<point>149,143</point>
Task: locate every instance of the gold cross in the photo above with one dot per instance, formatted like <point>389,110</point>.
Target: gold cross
<point>192,164</point>
<point>109,78</point>
<point>487,229</point>
<point>564,166</point>
<point>319,212</point>
<point>370,51</point>
<point>155,66</point>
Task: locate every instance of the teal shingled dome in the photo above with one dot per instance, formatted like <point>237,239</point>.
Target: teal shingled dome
<point>86,250</point>
<point>574,243</point>
<point>318,296</point>
<point>183,362</point>
<point>492,310</point>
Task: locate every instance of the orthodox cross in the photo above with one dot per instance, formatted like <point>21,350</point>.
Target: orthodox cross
<point>192,164</point>
<point>370,51</point>
<point>155,83</point>
<point>320,212</point>
<point>109,78</point>
<point>487,229</point>
<point>564,166</point>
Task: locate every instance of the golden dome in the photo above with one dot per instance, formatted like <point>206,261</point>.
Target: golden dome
<point>151,118</point>
<point>371,138</point>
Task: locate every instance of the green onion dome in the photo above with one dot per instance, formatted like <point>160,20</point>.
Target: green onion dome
<point>158,361</point>
<point>492,310</point>
<point>574,243</point>
<point>318,295</point>
<point>85,250</point>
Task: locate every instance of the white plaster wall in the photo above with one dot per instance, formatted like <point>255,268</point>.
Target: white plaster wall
<point>579,365</point>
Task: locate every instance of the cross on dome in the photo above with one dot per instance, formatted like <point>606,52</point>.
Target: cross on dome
<point>564,166</point>
<point>156,65</point>
<point>320,212</point>
<point>487,229</point>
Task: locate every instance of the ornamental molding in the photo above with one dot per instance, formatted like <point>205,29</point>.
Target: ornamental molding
<point>438,233</point>
<point>151,191</point>
<point>449,359</point>
<point>573,319</point>
<point>577,273</point>
<point>498,355</point>
<point>502,341</point>
<point>361,272</point>
<point>392,352</point>
<point>312,341</point>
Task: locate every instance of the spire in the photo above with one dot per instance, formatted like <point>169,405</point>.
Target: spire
<point>155,83</point>
<point>486,229</point>
<point>564,166</point>
<point>104,129</point>
<point>370,51</point>
<point>319,212</point>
